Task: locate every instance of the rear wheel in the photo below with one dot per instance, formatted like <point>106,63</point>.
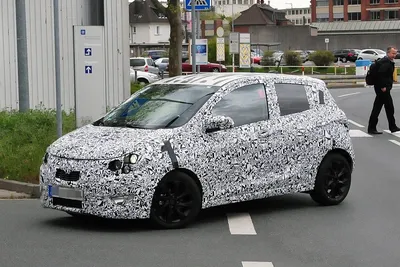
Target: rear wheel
<point>333,180</point>
<point>176,201</point>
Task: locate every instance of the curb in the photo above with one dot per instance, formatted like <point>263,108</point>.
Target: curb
<point>31,189</point>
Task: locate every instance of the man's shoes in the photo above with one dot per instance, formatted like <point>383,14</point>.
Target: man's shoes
<point>374,132</point>
<point>395,129</point>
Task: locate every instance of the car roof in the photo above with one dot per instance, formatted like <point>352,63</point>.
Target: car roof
<point>220,79</point>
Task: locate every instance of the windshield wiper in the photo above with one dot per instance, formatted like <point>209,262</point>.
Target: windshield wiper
<point>170,100</point>
<point>172,121</point>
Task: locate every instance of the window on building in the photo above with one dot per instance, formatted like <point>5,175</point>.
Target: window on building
<point>391,14</point>
<point>354,15</point>
<point>322,17</point>
<point>308,21</point>
<point>391,1</point>
<point>338,2</point>
<point>338,16</point>
<point>374,2</point>
<point>157,30</point>
<point>240,2</point>
<point>375,15</point>
<point>354,2</point>
<point>292,98</point>
<point>322,3</point>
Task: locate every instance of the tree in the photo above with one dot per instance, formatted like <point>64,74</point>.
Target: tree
<point>173,13</point>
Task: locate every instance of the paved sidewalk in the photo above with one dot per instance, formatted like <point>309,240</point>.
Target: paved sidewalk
<point>4,194</point>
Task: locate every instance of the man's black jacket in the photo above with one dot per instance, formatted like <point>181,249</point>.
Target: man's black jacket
<point>385,74</point>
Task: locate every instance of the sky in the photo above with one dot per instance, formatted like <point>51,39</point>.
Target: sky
<point>282,4</point>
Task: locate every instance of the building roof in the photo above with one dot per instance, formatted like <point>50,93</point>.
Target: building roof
<point>260,14</point>
<point>354,27</point>
<point>143,11</point>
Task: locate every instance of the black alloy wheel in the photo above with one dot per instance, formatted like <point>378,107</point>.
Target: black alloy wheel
<point>176,201</point>
<point>333,180</point>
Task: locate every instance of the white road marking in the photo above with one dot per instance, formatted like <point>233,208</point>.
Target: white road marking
<point>395,142</point>
<point>356,124</point>
<point>349,94</point>
<point>257,264</point>
<point>241,224</point>
<point>397,134</point>
<point>358,133</point>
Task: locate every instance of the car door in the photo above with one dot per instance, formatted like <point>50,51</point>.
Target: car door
<point>237,163</point>
<point>292,133</point>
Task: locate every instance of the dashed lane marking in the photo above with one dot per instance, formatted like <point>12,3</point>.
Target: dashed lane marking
<point>397,134</point>
<point>349,94</point>
<point>356,124</point>
<point>358,133</point>
<point>240,224</point>
<point>395,142</point>
<point>256,264</point>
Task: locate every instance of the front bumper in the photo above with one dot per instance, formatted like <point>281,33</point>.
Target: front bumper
<point>98,191</point>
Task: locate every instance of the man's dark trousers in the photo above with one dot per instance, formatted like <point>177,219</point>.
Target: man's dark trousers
<point>382,98</point>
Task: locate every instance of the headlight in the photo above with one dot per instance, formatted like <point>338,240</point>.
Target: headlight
<point>131,159</point>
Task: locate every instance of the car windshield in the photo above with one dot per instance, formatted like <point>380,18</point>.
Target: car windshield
<point>159,106</point>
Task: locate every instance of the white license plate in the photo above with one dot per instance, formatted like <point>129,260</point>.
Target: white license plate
<point>65,192</point>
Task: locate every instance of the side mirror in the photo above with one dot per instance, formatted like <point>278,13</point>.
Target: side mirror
<point>218,123</point>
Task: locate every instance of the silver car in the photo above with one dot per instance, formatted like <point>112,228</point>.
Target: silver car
<point>145,64</point>
<point>192,142</point>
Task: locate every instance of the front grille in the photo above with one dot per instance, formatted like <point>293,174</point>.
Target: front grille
<point>70,203</point>
<point>70,177</point>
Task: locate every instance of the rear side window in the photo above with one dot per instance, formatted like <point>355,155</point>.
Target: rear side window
<point>292,98</point>
<point>149,62</point>
<point>137,62</point>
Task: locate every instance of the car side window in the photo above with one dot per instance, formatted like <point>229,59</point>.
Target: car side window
<point>292,98</point>
<point>244,105</point>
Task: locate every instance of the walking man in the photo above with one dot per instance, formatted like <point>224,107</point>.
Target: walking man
<point>383,85</point>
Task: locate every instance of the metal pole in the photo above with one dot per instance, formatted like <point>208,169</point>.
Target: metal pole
<point>23,72</point>
<point>57,66</point>
<point>193,19</point>
<point>198,33</point>
<point>233,30</point>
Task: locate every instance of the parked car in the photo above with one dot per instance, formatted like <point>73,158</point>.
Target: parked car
<point>192,142</point>
<point>345,55</point>
<point>210,67</point>
<point>371,54</point>
<point>164,60</point>
<point>154,54</point>
<point>143,77</point>
<point>144,64</point>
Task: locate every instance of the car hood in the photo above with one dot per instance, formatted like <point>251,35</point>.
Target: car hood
<point>96,142</point>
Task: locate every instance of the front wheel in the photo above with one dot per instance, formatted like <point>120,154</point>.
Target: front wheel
<point>176,201</point>
<point>333,180</point>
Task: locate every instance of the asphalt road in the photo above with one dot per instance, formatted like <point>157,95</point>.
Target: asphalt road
<point>288,231</point>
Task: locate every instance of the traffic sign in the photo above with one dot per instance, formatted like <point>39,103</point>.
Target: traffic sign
<point>88,51</point>
<point>220,31</point>
<point>88,69</point>
<point>199,4</point>
<point>234,43</point>
<point>326,40</point>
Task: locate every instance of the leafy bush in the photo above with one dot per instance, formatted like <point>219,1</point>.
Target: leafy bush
<point>268,59</point>
<point>322,58</point>
<point>136,87</point>
<point>292,58</point>
<point>24,138</point>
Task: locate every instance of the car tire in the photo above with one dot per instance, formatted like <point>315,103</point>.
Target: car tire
<point>143,81</point>
<point>215,70</point>
<point>178,195</point>
<point>344,60</point>
<point>333,180</point>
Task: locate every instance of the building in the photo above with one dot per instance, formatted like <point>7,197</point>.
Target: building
<point>232,7</point>
<point>260,15</point>
<point>299,15</point>
<point>354,10</point>
<point>147,24</point>
<point>40,51</point>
